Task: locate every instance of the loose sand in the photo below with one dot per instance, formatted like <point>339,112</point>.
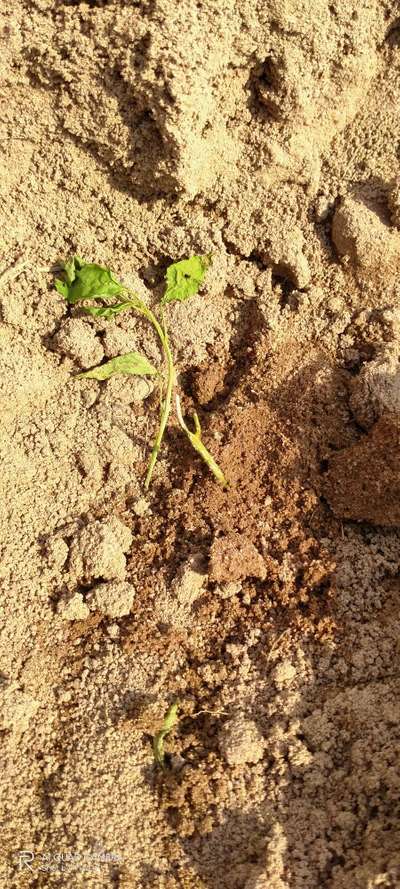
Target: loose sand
<point>135,132</point>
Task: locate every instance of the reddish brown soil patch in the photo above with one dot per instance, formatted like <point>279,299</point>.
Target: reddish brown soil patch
<point>363,482</point>
<point>234,558</point>
<point>265,527</point>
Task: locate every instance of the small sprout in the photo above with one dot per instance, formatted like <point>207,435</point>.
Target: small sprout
<point>197,444</point>
<point>87,281</point>
<point>130,363</point>
<point>170,720</point>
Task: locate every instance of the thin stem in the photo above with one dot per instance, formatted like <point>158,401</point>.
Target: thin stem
<point>165,412</point>
<point>197,444</point>
<point>166,406</point>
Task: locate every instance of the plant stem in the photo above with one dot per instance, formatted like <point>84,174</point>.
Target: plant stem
<point>197,444</point>
<point>170,720</point>
<point>166,406</point>
<point>165,412</point>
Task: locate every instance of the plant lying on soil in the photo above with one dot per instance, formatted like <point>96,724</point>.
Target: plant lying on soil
<point>88,282</point>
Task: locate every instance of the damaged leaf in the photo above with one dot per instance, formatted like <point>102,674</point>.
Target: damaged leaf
<point>184,278</point>
<point>130,363</point>
<point>87,280</point>
<point>107,311</point>
<point>69,268</point>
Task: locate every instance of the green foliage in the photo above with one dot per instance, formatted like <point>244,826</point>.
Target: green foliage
<point>169,722</point>
<point>85,281</point>
<point>107,312</point>
<point>71,267</point>
<point>184,278</point>
<point>130,363</point>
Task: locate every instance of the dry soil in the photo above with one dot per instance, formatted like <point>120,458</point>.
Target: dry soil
<point>135,133</point>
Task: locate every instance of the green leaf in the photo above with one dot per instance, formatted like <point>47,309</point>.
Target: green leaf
<point>70,267</point>
<point>106,311</point>
<point>93,281</point>
<point>184,278</point>
<point>62,287</point>
<point>131,363</point>
<point>87,280</point>
<point>170,720</point>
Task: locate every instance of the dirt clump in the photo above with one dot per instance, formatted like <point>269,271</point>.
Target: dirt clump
<point>234,558</point>
<point>113,599</point>
<point>376,389</point>
<point>360,235</point>
<point>74,608</point>
<point>285,255</point>
<point>241,742</point>
<point>363,481</point>
<point>98,551</point>
<point>77,339</point>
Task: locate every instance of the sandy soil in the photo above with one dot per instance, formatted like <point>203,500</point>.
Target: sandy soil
<point>136,132</point>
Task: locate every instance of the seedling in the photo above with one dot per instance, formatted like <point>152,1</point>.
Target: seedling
<point>85,283</point>
<point>169,722</point>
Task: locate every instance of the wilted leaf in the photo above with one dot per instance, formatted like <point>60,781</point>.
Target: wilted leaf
<point>131,363</point>
<point>184,278</point>
<point>106,311</point>
<point>87,280</point>
<point>170,720</point>
<point>61,287</point>
<point>70,267</point>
